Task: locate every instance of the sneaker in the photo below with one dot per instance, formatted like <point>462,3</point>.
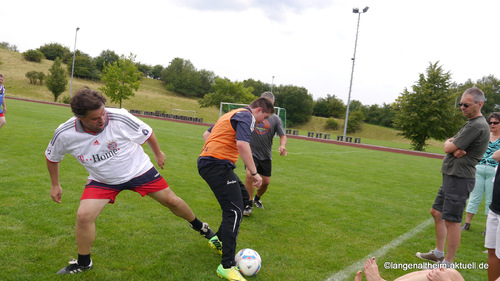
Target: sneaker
<point>74,268</point>
<point>215,244</point>
<point>232,273</point>
<point>248,211</point>
<point>430,256</point>
<point>206,231</point>
<point>466,226</point>
<point>258,204</point>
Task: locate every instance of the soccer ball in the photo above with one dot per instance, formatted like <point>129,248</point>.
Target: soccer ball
<point>248,261</point>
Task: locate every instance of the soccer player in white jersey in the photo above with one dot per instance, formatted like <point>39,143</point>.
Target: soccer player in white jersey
<point>107,142</point>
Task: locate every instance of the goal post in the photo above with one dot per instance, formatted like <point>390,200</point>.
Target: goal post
<point>225,107</point>
<point>184,112</point>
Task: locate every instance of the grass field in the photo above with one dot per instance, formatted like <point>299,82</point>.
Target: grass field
<point>328,208</point>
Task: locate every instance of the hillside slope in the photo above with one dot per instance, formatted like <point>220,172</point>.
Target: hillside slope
<point>153,96</point>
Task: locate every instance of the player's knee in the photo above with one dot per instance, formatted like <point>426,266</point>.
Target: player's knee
<point>435,213</point>
<point>2,122</point>
<point>84,217</point>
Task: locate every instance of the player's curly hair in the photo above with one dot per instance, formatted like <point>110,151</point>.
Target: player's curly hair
<point>86,99</point>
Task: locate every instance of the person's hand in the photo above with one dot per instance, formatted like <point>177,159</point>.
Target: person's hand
<point>459,153</point>
<point>257,180</point>
<point>282,150</point>
<point>160,159</point>
<point>56,193</point>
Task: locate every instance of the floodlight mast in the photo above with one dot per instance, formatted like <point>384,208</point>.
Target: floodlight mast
<point>73,66</point>
<point>356,11</point>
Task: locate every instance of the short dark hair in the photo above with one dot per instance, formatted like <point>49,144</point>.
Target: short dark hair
<point>86,99</point>
<point>266,105</point>
<point>495,115</point>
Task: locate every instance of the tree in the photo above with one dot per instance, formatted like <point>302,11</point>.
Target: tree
<point>57,79</point>
<point>331,106</point>
<point>428,110</point>
<point>84,65</point>
<point>207,80</point>
<point>258,86</point>
<point>41,77</point>
<point>156,72</point>
<point>106,58</point>
<point>6,45</point>
<point>144,68</point>
<point>33,55</point>
<point>224,90</point>
<point>121,79</point>
<point>54,50</point>
<point>32,76</point>
<point>379,115</point>
<point>355,121</point>
<point>182,77</point>
<point>297,102</point>
<point>491,88</point>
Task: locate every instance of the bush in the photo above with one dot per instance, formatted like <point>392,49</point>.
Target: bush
<point>354,122</point>
<point>32,76</point>
<point>41,76</point>
<point>54,50</point>
<point>331,124</point>
<point>66,99</point>
<point>33,55</point>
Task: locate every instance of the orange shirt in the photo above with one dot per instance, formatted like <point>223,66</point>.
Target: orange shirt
<point>221,143</point>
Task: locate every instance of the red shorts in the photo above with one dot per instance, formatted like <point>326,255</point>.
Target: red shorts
<point>2,115</point>
<point>149,182</point>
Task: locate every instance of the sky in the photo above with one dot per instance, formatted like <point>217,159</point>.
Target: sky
<point>305,43</point>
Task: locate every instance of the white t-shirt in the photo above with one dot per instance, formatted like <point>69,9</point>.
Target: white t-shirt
<point>112,156</point>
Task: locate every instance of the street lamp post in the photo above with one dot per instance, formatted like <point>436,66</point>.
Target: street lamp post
<point>272,84</point>
<point>73,66</point>
<point>356,11</point>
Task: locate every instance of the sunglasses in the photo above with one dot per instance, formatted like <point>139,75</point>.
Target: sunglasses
<point>466,105</point>
<point>493,123</point>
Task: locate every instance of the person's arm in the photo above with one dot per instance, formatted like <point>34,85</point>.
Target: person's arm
<point>205,135</point>
<point>247,158</point>
<point>282,147</point>
<point>55,190</point>
<point>496,155</point>
<point>159,155</point>
<point>4,106</point>
<point>450,147</point>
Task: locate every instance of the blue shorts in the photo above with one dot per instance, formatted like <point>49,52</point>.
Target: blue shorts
<point>149,182</point>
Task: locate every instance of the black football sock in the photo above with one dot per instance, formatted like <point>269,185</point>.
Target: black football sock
<point>84,260</point>
<point>257,198</point>
<point>196,224</point>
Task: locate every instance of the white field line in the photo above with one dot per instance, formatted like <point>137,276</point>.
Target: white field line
<point>353,268</point>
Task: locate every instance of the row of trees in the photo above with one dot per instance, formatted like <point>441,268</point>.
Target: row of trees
<point>427,110</point>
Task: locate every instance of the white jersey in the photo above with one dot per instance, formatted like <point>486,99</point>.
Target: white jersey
<point>112,156</point>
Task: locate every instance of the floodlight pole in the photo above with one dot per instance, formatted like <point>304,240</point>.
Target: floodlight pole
<point>73,66</point>
<point>272,84</point>
<point>356,11</point>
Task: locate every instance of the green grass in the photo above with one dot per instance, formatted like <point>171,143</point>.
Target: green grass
<point>327,207</point>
